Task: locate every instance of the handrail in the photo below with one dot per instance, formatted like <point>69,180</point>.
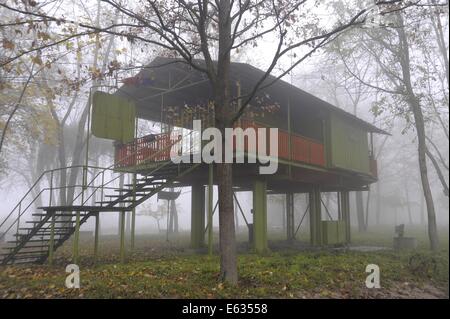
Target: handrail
<point>85,167</point>
<point>32,187</point>
<point>152,155</point>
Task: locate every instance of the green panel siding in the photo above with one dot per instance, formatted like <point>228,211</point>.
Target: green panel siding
<point>333,232</point>
<point>348,145</point>
<point>113,117</point>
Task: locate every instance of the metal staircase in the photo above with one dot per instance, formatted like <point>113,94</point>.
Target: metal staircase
<point>35,241</point>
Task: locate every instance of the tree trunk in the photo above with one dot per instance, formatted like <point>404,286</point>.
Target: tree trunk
<point>228,262</point>
<point>224,171</point>
<point>416,109</point>
<point>432,227</point>
<point>422,210</point>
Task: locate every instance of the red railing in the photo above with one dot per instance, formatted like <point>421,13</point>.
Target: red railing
<point>149,148</point>
<point>142,149</point>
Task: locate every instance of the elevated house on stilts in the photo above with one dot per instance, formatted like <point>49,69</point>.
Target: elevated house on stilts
<point>320,148</point>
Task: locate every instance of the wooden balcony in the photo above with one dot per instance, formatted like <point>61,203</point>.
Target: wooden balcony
<point>158,148</point>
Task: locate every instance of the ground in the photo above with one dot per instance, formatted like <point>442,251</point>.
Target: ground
<point>169,269</point>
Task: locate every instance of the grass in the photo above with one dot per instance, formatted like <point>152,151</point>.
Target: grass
<point>160,269</point>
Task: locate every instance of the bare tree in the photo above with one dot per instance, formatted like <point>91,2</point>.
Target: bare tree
<point>390,49</point>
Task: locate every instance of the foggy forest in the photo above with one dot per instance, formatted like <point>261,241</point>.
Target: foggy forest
<point>96,97</point>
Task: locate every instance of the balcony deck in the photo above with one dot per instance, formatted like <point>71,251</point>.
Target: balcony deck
<point>306,156</point>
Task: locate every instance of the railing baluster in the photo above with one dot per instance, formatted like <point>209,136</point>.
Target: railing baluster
<point>51,189</point>
<point>18,218</point>
<point>102,187</point>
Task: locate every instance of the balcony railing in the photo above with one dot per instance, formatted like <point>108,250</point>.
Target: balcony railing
<point>302,150</point>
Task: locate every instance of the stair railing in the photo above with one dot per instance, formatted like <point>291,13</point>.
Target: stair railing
<point>154,155</point>
<point>103,186</point>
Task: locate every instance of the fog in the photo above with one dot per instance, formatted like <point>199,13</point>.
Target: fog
<point>397,198</point>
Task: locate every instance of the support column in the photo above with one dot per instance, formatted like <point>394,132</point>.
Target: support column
<point>260,216</point>
<point>133,214</point>
<point>133,227</point>
<point>52,240</point>
<point>345,213</point>
<point>290,223</point>
<point>197,216</point>
<point>96,235</point>
<point>210,209</point>
<point>122,236</point>
<point>315,220</point>
<point>76,238</point>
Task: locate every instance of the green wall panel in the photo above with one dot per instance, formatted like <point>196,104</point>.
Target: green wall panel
<point>348,145</point>
<point>113,117</point>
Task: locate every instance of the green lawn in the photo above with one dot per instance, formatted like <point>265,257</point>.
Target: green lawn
<point>161,269</point>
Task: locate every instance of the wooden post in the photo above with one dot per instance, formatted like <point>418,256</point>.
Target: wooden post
<point>197,216</point>
<point>76,239</point>
<point>260,216</point>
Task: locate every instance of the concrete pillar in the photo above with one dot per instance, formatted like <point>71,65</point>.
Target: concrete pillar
<point>315,220</point>
<point>290,223</point>
<point>96,235</point>
<point>197,216</point>
<point>260,216</point>
<point>122,236</point>
<point>76,239</point>
<point>344,201</point>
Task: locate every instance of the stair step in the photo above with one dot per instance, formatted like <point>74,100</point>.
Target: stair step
<point>29,241</point>
<point>58,215</point>
<point>49,227</point>
<point>140,185</point>
<point>25,253</point>
<point>42,234</point>
<point>30,256</point>
<point>58,221</point>
<point>140,189</point>
<point>48,233</point>
<point>117,196</point>
<point>149,182</point>
<point>27,247</point>
<point>13,262</point>
<point>120,201</point>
